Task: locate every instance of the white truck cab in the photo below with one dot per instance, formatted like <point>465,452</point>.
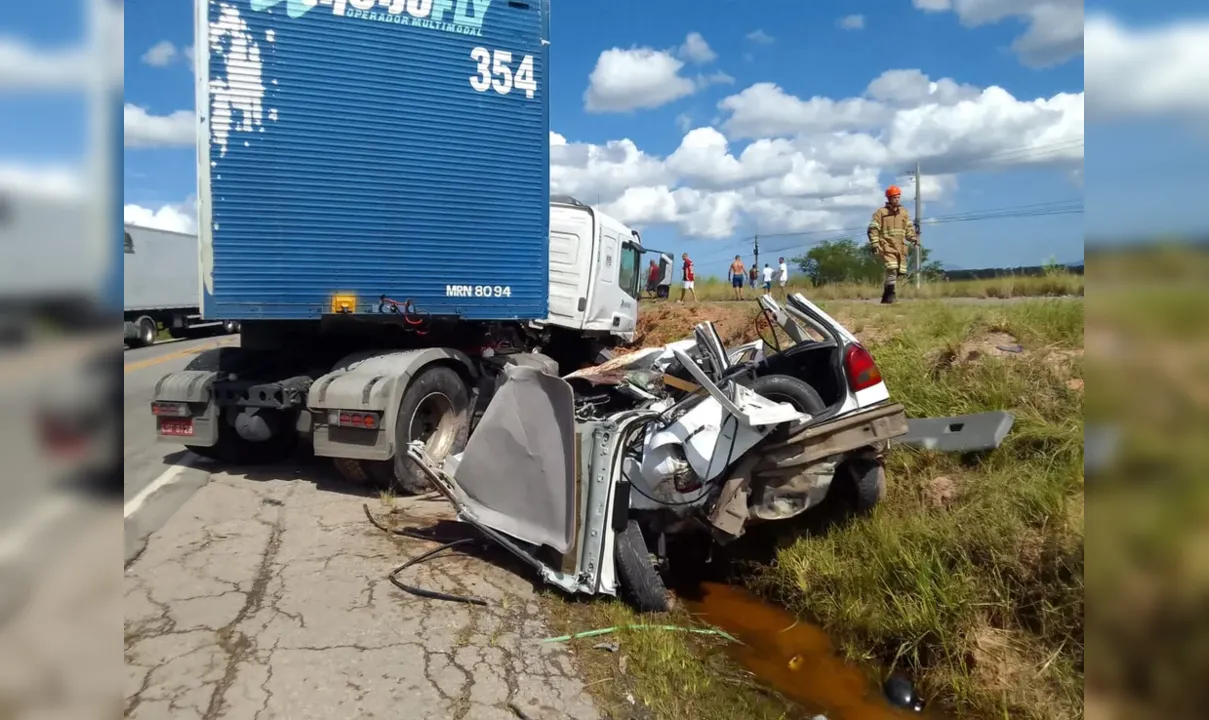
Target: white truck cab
<point>595,271</point>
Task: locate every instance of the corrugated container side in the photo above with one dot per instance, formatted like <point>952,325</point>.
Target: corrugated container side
<point>159,270</point>
<point>373,147</point>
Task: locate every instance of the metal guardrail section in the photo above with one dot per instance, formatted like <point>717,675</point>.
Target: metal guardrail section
<point>961,433</point>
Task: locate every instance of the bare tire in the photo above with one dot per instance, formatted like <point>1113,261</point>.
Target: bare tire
<point>788,389</point>
<point>435,409</point>
<point>640,582</point>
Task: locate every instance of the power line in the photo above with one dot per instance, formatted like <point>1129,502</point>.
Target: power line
<point>1045,209</point>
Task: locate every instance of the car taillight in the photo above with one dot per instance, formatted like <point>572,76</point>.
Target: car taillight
<point>862,371</point>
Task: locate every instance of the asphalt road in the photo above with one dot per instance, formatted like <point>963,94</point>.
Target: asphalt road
<point>145,458</point>
<point>158,477</point>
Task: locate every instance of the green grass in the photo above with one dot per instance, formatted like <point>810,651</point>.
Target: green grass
<point>1056,284</point>
<point>670,675</point>
<point>976,591</point>
<point>1149,328</point>
<point>973,583</point>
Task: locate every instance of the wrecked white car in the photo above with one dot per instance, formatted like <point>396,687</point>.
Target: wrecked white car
<point>669,440</point>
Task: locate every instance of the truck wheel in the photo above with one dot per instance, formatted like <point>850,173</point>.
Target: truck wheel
<point>230,448</point>
<point>147,331</point>
<point>640,582</point>
<point>353,471</point>
<point>436,409</point>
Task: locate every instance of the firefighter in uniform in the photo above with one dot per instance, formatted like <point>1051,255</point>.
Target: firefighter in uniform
<point>889,232</point>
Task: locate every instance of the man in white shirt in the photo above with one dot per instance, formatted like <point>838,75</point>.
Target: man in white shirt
<point>783,275</point>
<point>767,279</point>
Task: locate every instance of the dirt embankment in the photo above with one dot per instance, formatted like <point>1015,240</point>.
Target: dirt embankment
<point>665,323</point>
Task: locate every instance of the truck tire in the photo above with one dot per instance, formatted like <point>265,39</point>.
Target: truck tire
<point>435,408</point>
<point>145,332</point>
<point>230,448</point>
<point>640,582</point>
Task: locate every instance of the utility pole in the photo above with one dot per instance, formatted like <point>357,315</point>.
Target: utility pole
<point>919,257</point>
<point>756,246</point>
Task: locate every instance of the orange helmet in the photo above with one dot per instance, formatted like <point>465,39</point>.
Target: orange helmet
<point>893,191</point>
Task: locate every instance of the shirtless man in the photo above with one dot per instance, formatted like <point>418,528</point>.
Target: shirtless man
<point>738,275</point>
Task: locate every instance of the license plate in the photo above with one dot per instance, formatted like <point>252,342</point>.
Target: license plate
<point>176,428</point>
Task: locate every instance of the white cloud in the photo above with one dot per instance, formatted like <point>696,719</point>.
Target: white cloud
<point>787,164</point>
<point>696,50</point>
<point>73,67</point>
<point>639,78</point>
<point>46,181</point>
<point>684,121</point>
<point>817,165</point>
<point>765,109</point>
<point>161,54</point>
<point>760,37</point>
<point>144,130</point>
<point>1152,72</point>
<point>851,22</point>
<point>911,88</point>
<point>23,66</point>
<point>178,217</point>
<point>1054,31</point>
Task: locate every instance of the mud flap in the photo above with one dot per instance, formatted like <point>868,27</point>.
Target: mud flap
<point>194,388</point>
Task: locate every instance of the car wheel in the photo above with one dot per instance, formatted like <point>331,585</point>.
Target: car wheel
<point>640,582</point>
<point>861,483</point>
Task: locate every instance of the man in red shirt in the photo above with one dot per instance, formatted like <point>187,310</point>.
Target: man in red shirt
<point>652,279</point>
<point>688,277</point>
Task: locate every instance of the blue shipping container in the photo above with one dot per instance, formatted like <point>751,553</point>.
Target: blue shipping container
<point>372,148</point>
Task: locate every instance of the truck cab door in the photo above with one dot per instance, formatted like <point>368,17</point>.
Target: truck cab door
<point>629,285</point>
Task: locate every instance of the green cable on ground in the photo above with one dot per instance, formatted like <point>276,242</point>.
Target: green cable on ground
<point>615,628</point>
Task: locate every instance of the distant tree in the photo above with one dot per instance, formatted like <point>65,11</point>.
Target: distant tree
<point>839,261</point>
<point>932,269</point>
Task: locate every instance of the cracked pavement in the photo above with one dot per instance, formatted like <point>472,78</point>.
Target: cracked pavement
<point>270,599</point>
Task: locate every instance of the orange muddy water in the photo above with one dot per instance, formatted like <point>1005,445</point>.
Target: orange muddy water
<point>794,658</point>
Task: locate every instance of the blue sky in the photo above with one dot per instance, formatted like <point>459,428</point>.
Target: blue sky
<point>1141,165</point>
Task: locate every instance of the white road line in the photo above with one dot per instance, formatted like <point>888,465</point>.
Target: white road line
<point>167,478</point>
<point>16,540</point>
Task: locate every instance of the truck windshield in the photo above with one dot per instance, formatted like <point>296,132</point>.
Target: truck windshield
<point>628,277</point>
